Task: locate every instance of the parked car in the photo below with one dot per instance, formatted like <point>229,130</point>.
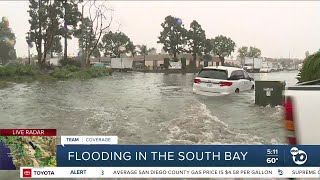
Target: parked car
<point>101,65</point>
<point>98,65</point>
<point>108,65</point>
<point>265,70</point>
<point>222,80</point>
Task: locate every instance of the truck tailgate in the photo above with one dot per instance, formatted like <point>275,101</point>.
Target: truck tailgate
<point>306,104</point>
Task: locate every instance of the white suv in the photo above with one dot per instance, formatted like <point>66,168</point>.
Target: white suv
<point>222,80</point>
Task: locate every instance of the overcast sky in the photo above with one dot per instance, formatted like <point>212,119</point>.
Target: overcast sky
<point>277,28</point>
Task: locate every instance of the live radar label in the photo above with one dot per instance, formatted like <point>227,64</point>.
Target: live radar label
<point>28,132</point>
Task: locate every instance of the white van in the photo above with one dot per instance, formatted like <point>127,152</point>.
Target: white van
<point>222,80</point>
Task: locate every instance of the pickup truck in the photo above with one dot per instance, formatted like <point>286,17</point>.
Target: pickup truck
<point>301,103</point>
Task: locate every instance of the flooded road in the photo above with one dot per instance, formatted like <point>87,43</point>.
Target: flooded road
<point>143,108</point>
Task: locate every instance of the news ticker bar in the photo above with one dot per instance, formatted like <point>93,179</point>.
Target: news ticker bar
<point>170,172</point>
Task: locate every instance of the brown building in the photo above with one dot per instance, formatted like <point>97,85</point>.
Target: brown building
<point>154,61</point>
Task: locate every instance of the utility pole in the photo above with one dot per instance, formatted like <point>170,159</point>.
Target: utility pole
<point>82,50</point>
<point>83,56</point>
<point>29,48</point>
<point>253,64</point>
<point>289,55</point>
<point>65,25</point>
<point>121,62</point>
<point>121,50</point>
<point>290,60</point>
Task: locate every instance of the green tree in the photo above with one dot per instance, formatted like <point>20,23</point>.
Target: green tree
<point>307,54</point>
<point>7,42</point>
<point>144,50</point>
<point>132,49</point>
<point>111,42</point>
<point>56,47</point>
<point>207,50</point>
<point>196,40</point>
<point>310,69</point>
<point>44,25</point>
<point>71,17</point>
<point>243,53</point>
<point>254,53</point>
<point>96,53</point>
<point>86,39</point>
<point>173,36</point>
<point>207,57</point>
<point>208,47</point>
<point>222,47</point>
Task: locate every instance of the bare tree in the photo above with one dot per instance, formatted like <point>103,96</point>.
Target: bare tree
<point>101,22</point>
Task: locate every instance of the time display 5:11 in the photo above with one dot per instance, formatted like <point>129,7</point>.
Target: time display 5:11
<point>272,151</point>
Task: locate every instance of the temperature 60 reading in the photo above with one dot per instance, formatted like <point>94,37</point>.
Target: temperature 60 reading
<point>272,160</point>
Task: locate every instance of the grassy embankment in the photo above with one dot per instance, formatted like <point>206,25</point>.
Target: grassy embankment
<point>30,73</point>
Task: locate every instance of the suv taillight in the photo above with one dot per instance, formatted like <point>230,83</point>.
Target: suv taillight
<point>197,81</point>
<point>225,83</point>
<point>289,120</point>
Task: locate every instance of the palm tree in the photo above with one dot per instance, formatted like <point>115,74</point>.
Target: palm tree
<point>143,50</point>
<point>132,49</point>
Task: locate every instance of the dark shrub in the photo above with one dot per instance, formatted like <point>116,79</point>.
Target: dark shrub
<point>19,70</point>
<point>26,70</point>
<point>311,68</point>
<point>70,61</point>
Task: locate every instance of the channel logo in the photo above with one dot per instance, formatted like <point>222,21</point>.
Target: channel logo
<point>27,173</point>
<point>298,156</point>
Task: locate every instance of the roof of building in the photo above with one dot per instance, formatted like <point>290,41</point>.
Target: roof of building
<point>158,57</point>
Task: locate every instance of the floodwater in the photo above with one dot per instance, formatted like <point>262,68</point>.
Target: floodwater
<point>143,108</point>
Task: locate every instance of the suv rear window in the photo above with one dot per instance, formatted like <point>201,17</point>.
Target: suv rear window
<point>213,74</point>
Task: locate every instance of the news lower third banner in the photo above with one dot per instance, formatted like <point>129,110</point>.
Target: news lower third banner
<point>102,157</point>
<point>170,172</point>
<point>114,155</point>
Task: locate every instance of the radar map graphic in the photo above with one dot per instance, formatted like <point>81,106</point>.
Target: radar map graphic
<point>27,151</point>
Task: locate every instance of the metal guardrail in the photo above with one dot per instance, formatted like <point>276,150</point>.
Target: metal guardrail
<point>313,82</point>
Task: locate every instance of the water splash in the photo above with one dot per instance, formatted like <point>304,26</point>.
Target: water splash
<point>196,125</point>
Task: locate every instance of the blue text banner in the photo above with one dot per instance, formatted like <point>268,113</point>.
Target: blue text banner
<point>188,156</point>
